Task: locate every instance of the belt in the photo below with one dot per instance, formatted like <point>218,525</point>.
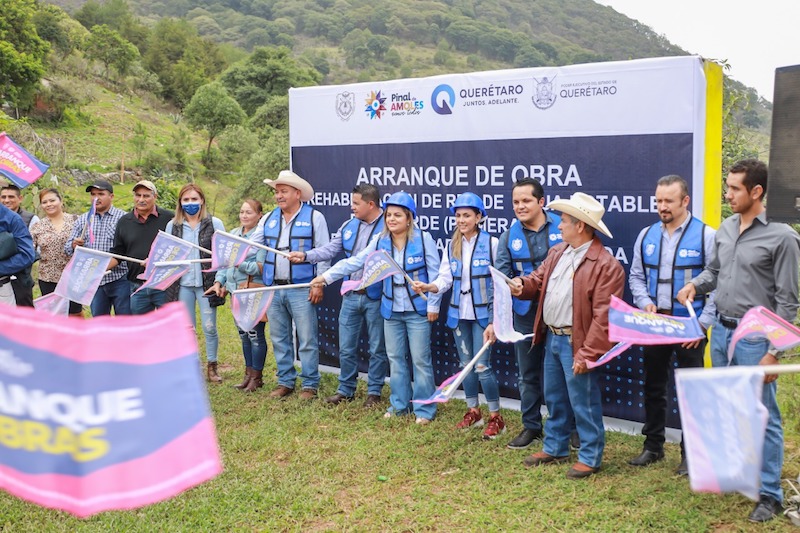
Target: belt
<point>663,311</point>
<point>398,284</point>
<point>281,282</point>
<point>360,291</point>
<point>728,321</point>
<point>560,331</point>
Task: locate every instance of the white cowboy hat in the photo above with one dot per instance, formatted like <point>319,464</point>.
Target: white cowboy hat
<point>287,177</point>
<point>583,207</point>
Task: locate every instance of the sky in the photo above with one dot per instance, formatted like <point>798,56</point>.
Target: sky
<point>754,37</point>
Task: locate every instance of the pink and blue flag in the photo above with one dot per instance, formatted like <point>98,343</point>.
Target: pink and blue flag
<point>52,303</point>
<point>102,414</point>
<point>17,164</point>
<point>227,250</point>
<point>165,248</point>
<point>629,324</point>
<point>90,221</point>
<point>443,392</point>
<point>162,277</point>
<point>723,423</point>
<point>615,351</point>
<point>378,266</point>
<point>762,323</point>
<point>250,306</point>
<point>82,275</point>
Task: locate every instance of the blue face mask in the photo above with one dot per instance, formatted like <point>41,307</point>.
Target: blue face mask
<point>191,208</point>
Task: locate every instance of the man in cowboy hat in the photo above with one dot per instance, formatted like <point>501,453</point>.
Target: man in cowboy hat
<point>574,285</point>
<point>294,226</point>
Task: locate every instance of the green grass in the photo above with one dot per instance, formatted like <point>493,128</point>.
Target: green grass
<point>304,466</point>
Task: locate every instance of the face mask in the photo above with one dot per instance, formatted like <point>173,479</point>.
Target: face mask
<point>191,208</point>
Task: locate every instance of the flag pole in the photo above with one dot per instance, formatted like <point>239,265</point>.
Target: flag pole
<point>182,262</point>
<point>193,245</point>
<point>273,288</point>
<point>405,275</point>
<point>251,243</point>
<point>115,256</point>
<point>466,370</point>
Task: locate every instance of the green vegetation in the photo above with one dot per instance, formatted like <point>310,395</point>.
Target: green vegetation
<point>294,466</point>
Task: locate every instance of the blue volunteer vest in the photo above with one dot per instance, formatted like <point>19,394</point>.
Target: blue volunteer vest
<point>414,265</point>
<point>301,239</point>
<point>688,262</point>
<point>523,261</point>
<point>480,281</point>
<point>349,235</point>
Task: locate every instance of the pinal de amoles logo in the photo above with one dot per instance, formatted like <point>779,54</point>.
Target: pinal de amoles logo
<point>543,94</point>
<point>375,107</point>
<point>345,105</point>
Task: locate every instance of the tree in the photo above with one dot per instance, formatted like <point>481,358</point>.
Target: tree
<point>22,51</point>
<point>212,109</point>
<point>268,71</point>
<point>111,49</point>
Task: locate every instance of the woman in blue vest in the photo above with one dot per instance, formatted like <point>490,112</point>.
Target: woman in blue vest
<point>193,223</point>
<point>254,344</point>
<point>465,268</point>
<point>407,315</point>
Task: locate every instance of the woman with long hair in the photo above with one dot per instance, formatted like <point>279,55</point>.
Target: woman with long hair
<point>465,268</point>
<point>193,223</point>
<point>407,315</point>
<point>50,235</point>
<point>254,344</point>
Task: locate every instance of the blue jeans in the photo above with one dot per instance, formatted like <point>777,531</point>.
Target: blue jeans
<point>292,306</point>
<point>254,346</point>
<point>357,309</point>
<point>571,397</point>
<point>749,352</point>
<point>529,365</point>
<point>117,294</point>
<point>208,318</point>
<point>468,335</point>
<point>410,331</point>
<point>146,300</point>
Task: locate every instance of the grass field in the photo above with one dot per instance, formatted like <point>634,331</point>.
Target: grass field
<point>304,466</point>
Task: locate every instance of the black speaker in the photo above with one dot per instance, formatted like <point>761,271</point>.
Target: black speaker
<point>783,187</point>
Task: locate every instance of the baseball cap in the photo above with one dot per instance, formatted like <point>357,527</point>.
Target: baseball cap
<point>147,184</point>
<point>103,185</point>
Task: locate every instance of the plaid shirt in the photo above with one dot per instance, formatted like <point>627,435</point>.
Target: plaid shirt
<point>104,228</point>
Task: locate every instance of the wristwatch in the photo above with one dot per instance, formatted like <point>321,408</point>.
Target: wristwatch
<point>774,352</point>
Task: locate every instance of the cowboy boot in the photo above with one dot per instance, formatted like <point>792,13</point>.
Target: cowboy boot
<point>256,381</point>
<point>211,372</point>
<point>246,380</point>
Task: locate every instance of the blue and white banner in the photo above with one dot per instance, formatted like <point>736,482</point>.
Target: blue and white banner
<point>606,129</point>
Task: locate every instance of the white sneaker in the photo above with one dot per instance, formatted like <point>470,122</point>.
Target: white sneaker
<point>423,421</point>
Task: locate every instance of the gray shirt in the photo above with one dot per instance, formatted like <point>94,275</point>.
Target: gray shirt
<point>557,310</point>
<point>758,267</point>
<point>638,283</point>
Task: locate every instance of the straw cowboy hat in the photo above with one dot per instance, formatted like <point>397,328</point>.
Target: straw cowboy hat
<point>585,208</point>
<point>287,177</point>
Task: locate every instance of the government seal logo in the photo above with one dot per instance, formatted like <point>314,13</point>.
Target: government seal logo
<point>345,105</point>
<point>543,94</point>
<point>516,245</point>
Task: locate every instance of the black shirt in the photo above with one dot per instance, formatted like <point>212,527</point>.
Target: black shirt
<point>134,238</point>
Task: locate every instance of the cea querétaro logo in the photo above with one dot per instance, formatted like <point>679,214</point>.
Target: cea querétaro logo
<point>443,99</point>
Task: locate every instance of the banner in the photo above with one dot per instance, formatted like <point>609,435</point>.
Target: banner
<point>634,326</point>
<point>165,248</point>
<point>17,164</point>
<point>723,423</point>
<point>227,251</point>
<point>378,266</point>
<point>82,275</point>
<point>606,129</point>
<point>249,307</point>
<point>108,413</point>
<point>161,277</point>
<point>53,304</point>
<point>503,317</point>
<point>761,322</point>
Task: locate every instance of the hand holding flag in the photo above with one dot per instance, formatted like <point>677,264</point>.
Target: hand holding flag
<point>503,318</point>
<point>378,266</point>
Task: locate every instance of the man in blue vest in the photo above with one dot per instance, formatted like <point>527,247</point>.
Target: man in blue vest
<point>294,226</point>
<point>665,257</point>
<point>358,307</point>
<point>521,250</point>
<point>16,252</point>
<point>11,197</point>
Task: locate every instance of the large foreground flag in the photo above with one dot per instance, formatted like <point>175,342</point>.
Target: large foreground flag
<point>17,164</point>
<point>227,250</point>
<point>378,266</point>
<point>165,248</point>
<point>723,423</point>
<point>761,322</point>
<point>629,324</point>
<point>82,275</point>
<point>249,307</point>
<point>108,413</point>
<point>503,314</point>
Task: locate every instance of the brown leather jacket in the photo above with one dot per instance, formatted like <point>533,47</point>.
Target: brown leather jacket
<point>596,279</point>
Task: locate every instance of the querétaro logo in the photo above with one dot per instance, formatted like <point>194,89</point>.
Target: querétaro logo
<point>375,107</point>
<point>441,103</point>
<point>345,105</point>
<point>543,94</point>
